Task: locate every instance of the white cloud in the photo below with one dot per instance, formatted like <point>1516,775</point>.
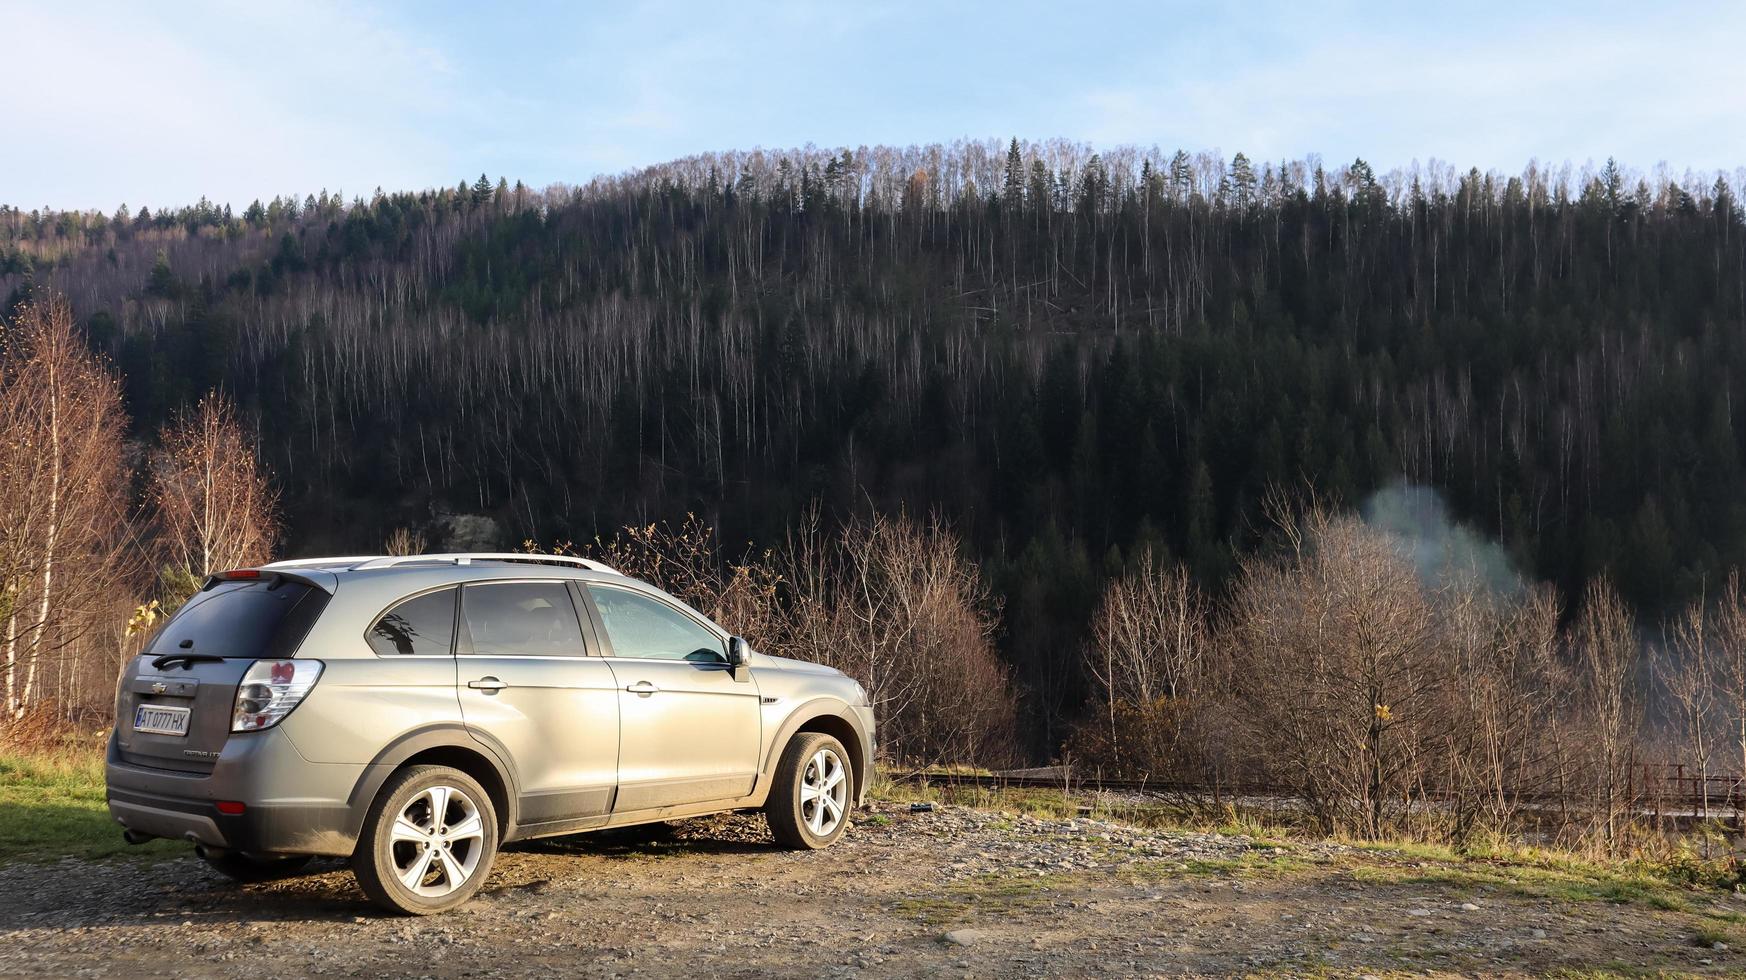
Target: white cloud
<point>156,104</point>
<point>235,103</point>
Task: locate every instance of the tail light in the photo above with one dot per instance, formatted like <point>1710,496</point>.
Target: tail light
<point>269,691</point>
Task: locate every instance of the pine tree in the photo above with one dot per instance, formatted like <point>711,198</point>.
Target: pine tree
<point>1242,182</point>
<point>1181,175</point>
<point>163,280</point>
<point>1612,181</point>
<point>1013,192</point>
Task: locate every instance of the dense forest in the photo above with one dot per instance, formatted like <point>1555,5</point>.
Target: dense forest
<point>1072,357</point>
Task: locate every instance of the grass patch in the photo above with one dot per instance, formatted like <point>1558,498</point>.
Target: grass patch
<point>1057,804</point>
<point>1613,971</point>
<point>1707,935</point>
<point>993,894</point>
<point>51,807</point>
<point>1254,864</point>
<point>1667,875</point>
<point>1531,874</point>
<point>1035,802</point>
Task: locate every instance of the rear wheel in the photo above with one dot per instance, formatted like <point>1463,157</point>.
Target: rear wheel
<point>809,800</point>
<point>428,841</point>
<point>250,870</point>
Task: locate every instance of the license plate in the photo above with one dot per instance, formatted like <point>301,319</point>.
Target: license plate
<point>158,720</point>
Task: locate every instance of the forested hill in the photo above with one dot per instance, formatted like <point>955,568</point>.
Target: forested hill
<point>1067,354</point>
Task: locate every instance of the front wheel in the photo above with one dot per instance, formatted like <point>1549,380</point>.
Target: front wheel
<point>809,799</point>
<point>428,841</point>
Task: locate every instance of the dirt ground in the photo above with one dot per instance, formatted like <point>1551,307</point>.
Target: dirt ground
<point>955,891</point>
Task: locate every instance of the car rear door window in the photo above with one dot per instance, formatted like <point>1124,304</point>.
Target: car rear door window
<point>423,625</point>
<point>507,619</point>
<point>643,627</point>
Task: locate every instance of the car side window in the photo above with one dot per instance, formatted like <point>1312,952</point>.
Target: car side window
<point>505,619</point>
<point>423,625</point>
<point>640,626</point>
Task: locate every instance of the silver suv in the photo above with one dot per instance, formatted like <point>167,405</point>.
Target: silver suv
<point>414,713</point>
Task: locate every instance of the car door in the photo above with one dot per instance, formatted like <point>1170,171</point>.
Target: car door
<point>527,683</point>
<point>689,727</point>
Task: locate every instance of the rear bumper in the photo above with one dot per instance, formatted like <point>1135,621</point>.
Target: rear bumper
<point>290,805</point>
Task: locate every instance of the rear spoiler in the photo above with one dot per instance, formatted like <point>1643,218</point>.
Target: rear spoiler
<point>325,581</point>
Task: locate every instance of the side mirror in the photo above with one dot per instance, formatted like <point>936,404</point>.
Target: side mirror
<point>737,652</point>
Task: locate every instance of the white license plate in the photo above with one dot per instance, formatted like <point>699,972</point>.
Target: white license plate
<point>158,720</point>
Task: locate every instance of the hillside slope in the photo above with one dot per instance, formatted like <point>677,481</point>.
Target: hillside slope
<point>1071,355</point>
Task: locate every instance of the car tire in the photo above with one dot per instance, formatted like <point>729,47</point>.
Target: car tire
<point>812,792</point>
<point>428,842</point>
<point>249,870</point>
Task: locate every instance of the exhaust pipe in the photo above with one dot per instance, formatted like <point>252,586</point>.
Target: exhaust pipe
<point>135,837</point>
<point>207,852</point>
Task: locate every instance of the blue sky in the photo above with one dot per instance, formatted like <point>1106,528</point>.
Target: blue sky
<point>159,103</point>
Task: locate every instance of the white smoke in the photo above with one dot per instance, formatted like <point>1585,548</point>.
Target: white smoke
<point>1442,549</point>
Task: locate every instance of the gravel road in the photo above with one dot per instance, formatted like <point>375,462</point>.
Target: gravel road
<point>956,891</point>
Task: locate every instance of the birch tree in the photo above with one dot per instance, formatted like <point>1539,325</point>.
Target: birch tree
<point>63,494</point>
<point>213,506</point>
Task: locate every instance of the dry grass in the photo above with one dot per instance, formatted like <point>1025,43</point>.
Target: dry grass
<point>1658,870</point>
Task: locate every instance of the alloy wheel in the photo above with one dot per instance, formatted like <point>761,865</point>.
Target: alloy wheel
<point>824,793</point>
<point>437,841</point>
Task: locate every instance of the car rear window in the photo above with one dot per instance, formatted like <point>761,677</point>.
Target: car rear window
<point>266,618</point>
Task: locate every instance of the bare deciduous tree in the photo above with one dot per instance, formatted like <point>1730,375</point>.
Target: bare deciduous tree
<point>212,504</point>
<point>1731,644</point>
<point>404,541</point>
<point>1148,640</point>
<point>63,494</point>
<point>1342,682</point>
<point>1605,652</point>
<point>895,604</point>
<point>1689,666</point>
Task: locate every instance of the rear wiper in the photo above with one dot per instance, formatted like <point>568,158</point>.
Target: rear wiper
<point>187,660</point>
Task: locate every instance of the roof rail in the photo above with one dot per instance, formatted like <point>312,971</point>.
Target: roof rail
<point>390,561</point>
<point>470,557</point>
<point>320,562</point>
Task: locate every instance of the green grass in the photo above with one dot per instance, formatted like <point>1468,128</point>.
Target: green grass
<point>1537,874</point>
<point>994,895</point>
<point>51,807</point>
<point>1709,934</point>
<point>1614,971</point>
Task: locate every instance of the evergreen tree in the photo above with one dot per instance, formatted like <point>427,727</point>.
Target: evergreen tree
<point>1013,191</point>
<point>1242,182</point>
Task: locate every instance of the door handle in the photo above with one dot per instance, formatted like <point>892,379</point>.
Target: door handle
<point>489,685</point>
<point>643,689</point>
